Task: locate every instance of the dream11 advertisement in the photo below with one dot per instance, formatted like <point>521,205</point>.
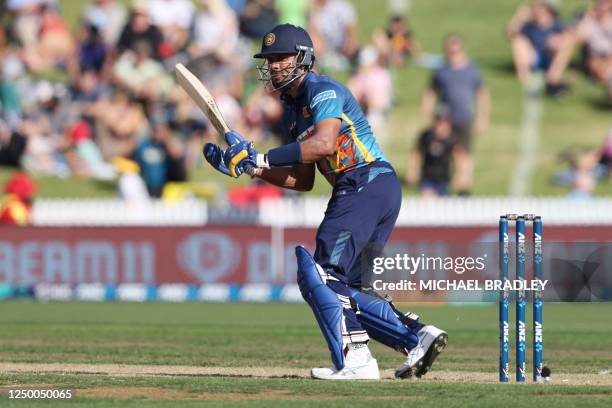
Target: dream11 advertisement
<point>252,254</point>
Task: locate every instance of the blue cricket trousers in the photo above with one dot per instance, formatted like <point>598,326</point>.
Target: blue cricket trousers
<point>358,221</point>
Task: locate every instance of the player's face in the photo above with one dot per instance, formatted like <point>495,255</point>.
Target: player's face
<point>280,67</point>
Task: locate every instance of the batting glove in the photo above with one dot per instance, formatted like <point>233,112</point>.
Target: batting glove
<point>240,156</point>
<point>214,155</point>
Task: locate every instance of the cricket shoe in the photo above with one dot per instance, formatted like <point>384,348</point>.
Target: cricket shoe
<point>358,365</point>
<point>431,343</point>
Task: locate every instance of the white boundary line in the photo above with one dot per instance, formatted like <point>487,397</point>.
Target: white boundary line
<point>529,137</point>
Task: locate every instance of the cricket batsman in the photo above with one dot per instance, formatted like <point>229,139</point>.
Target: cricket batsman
<point>328,129</point>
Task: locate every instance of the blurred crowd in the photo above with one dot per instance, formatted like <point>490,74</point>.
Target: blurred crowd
<point>543,46</point>
<point>99,100</point>
<point>542,41</point>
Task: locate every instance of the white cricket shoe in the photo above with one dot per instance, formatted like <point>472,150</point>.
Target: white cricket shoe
<point>431,343</point>
<point>358,365</point>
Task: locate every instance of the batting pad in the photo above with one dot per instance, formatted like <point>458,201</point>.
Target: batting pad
<point>382,322</point>
<point>324,303</point>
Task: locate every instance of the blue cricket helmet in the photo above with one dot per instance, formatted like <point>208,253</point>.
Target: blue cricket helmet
<point>286,39</point>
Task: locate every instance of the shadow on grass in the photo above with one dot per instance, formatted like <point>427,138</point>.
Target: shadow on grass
<point>503,66</point>
<point>601,103</point>
<point>109,186</point>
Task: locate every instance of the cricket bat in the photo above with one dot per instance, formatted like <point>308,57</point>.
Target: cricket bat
<point>200,95</point>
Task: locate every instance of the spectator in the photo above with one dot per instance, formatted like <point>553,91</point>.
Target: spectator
<point>132,188</point>
<point>25,25</point>
<point>333,27</point>
<point>258,17</point>
<point>140,74</point>
<point>459,85</point>
<point>595,32</point>
<point>87,90</point>
<point>119,123</point>
<point>171,15</point>
<point>52,109</point>
<point>92,51</point>
<point>139,28</point>
<point>16,205</point>
<point>586,168</point>
<point>402,44</point>
<point>108,16</point>
<point>373,88</point>
<point>12,146</point>
<point>41,155</point>
<point>174,18</point>
<point>83,154</point>
<point>540,42</point>
<point>215,24</point>
<point>44,128</point>
<point>161,158</point>
<point>12,73</point>
<point>54,44</point>
<point>429,161</point>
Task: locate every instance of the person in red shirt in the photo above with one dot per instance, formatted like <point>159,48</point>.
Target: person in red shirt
<point>16,206</point>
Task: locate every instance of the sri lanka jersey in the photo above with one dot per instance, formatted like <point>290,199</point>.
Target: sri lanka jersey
<point>319,98</point>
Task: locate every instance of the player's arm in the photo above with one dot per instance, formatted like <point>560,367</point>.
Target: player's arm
<point>299,177</point>
<point>242,156</point>
<point>323,142</point>
<point>326,109</point>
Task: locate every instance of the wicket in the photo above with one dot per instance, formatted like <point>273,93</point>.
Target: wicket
<point>504,301</point>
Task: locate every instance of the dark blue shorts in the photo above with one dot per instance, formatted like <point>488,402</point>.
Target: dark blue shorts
<point>440,187</point>
<point>358,221</point>
<point>542,61</point>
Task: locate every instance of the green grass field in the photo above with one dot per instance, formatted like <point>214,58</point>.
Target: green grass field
<point>581,119</point>
<point>259,354</point>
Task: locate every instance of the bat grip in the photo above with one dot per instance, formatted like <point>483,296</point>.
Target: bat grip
<point>250,170</point>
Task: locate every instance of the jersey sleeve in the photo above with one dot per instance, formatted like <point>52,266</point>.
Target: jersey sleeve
<point>326,102</point>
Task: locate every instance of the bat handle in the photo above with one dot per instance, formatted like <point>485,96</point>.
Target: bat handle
<point>250,170</point>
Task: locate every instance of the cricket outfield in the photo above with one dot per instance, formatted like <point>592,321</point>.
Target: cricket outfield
<point>154,354</point>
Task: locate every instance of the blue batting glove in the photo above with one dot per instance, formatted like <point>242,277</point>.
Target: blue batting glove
<point>214,155</point>
<point>232,137</point>
<point>239,157</point>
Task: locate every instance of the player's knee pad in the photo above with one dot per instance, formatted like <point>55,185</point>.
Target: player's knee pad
<point>381,321</point>
<point>324,303</point>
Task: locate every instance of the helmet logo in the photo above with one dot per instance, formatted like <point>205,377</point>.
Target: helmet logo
<point>269,39</point>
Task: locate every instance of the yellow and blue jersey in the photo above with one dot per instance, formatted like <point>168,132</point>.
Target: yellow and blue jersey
<point>318,98</point>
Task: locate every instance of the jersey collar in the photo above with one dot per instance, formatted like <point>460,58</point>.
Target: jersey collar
<point>301,88</point>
